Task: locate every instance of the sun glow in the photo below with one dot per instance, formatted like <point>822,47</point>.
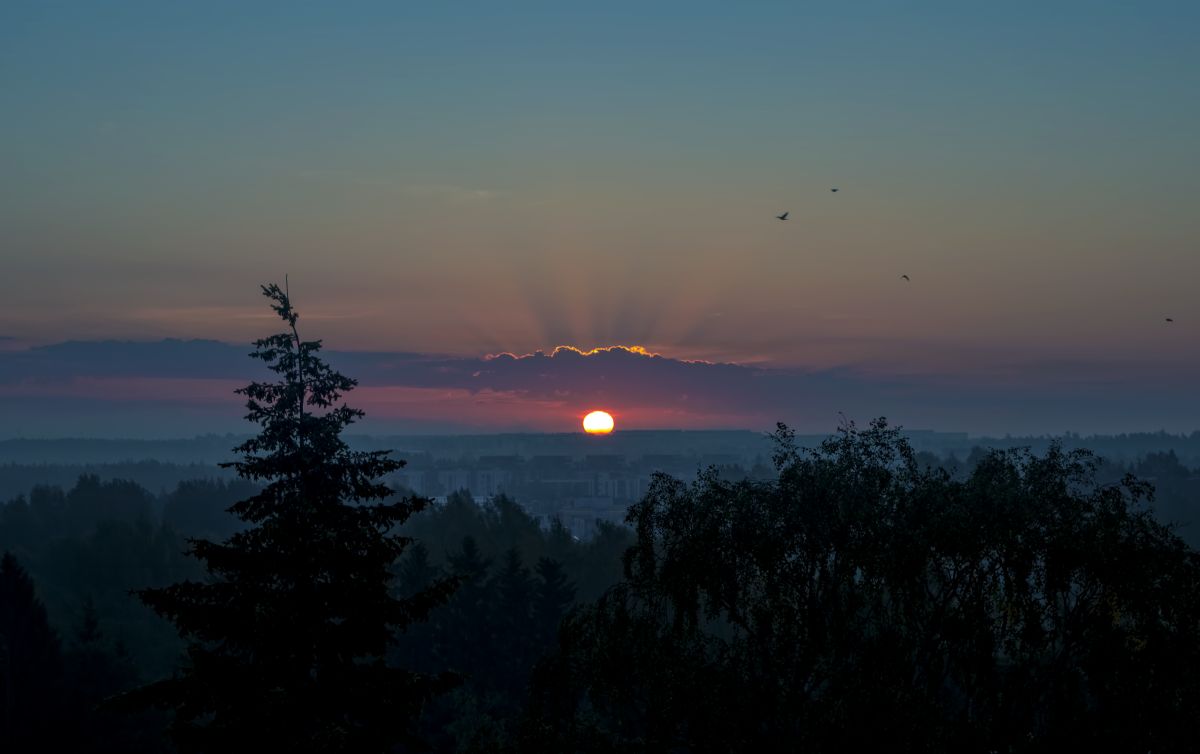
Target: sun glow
<point>598,423</point>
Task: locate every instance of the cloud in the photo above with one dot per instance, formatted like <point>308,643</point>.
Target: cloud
<point>549,390</point>
<point>170,358</point>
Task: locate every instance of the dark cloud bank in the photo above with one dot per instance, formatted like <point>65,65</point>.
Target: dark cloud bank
<point>630,379</point>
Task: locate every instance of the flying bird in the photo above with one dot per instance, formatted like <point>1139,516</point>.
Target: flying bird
<point>783,216</point>
<point>834,190</point>
<point>905,277</point>
<point>1170,320</point>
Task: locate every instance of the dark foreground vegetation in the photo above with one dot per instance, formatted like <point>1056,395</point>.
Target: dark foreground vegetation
<point>858,597</point>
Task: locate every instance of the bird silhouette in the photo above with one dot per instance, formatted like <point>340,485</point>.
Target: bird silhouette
<point>783,216</point>
<point>905,277</point>
<point>1170,320</point>
<point>833,190</point>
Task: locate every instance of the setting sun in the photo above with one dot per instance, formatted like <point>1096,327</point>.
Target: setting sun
<point>598,423</point>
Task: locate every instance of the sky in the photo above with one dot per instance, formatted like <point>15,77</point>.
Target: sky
<point>443,183</point>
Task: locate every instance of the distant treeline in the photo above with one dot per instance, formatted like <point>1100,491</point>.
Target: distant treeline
<point>211,449</point>
<point>1125,447</point>
<point>156,476</point>
<point>1175,498</point>
<point>1176,478</point>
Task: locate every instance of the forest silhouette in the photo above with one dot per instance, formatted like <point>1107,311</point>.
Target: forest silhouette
<point>859,597</point>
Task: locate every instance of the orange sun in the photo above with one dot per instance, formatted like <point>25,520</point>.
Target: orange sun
<point>598,423</point>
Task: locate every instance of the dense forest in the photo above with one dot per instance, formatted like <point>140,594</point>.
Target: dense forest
<point>858,595</point>
<point>86,548</point>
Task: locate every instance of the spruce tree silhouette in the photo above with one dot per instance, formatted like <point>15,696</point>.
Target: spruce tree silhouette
<point>30,665</point>
<point>288,634</point>
<point>553,596</point>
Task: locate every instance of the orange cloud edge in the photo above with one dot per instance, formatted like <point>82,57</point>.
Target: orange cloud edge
<point>597,351</point>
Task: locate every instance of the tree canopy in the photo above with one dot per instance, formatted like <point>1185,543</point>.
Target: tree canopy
<point>862,599</point>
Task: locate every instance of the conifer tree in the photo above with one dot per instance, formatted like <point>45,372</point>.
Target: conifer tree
<point>289,632</point>
<point>516,645</point>
<point>465,640</point>
<point>414,574</point>
<point>30,664</point>
<point>416,571</point>
<point>553,596</point>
